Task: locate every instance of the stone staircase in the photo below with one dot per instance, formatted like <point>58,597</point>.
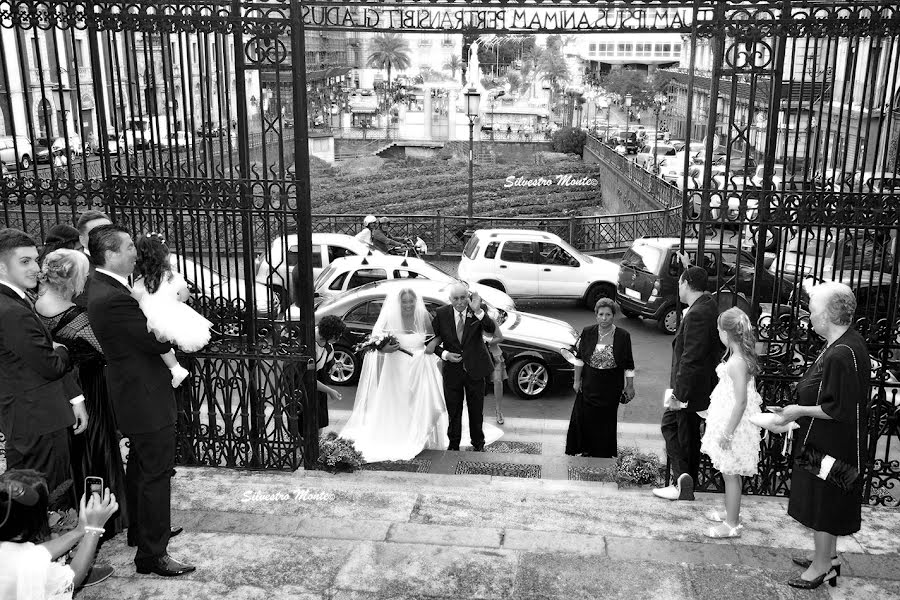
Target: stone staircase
<point>376,534</point>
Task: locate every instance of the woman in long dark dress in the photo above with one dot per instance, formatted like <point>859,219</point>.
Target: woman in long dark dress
<point>832,410</point>
<point>605,379</point>
<point>328,331</point>
<point>95,452</point>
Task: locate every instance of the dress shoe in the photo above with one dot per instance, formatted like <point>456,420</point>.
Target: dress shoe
<point>165,566</point>
<point>172,533</point>
<point>667,493</point>
<point>685,487</point>
<point>478,447</point>
<point>453,448</point>
<point>99,572</point>
<point>806,584</point>
<point>802,561</point>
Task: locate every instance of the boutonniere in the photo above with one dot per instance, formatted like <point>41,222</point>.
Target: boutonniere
<point>470,314</point>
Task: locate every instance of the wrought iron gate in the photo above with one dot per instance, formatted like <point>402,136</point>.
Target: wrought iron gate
<point>198,112</point>
<point>172,118</point>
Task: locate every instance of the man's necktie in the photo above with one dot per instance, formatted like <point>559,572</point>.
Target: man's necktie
<point>460,326</point>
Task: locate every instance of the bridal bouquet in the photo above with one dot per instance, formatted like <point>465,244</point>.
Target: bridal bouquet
<point>378,342</point>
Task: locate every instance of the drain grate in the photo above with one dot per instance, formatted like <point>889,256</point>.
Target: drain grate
<point>465,467</point>
<point>591,474</point>
<point>511,447</point>
<point>416,465</point>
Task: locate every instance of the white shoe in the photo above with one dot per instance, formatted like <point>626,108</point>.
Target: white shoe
<point>667,493</point>
<point>179,374</point>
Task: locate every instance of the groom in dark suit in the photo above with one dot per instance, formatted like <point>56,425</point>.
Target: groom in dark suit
<point>140,388</point>
<point>459,341</point>
<point>696,350</point>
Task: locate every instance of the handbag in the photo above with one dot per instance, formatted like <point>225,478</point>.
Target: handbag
<point>825,466</point>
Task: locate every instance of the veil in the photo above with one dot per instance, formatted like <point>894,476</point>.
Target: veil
<point>390,320</point>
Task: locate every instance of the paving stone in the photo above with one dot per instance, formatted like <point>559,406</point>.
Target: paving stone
<point>543,576</point>
<point>236,522</point>
<point>158,588</point>
<point>620,548</point>
<point>871,566</point>
<point>443,535</point>
<point>397,570</point>
<point>344,529</point>
<point>551,541</point>
<point>854,588</point>
<point>712,582</point>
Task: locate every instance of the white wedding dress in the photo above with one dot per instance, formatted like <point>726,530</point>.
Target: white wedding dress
<point>399,408</point>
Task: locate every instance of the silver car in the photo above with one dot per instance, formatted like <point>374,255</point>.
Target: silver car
<point>531,343</point>
<point>16,151</point>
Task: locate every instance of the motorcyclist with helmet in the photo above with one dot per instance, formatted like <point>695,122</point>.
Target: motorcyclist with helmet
<point>370,223</point>
<point>381,240</point>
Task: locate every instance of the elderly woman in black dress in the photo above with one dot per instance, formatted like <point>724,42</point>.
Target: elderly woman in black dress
<point>605,379</point>
<point>832,410</point>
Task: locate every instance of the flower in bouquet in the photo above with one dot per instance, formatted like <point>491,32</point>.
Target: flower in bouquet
<point>338,454</point>
<point>379,342</point>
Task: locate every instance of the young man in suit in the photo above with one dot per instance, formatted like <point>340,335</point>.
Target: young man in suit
<point>140,388</point>
<point>39,399</point>
<point>459,330</point>
<point>696,350</point>
<point>88,220</point>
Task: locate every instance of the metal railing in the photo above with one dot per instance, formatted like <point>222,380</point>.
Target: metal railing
<point>654,187</point>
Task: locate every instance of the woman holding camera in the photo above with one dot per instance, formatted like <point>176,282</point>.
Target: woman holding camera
<point>604,378</point>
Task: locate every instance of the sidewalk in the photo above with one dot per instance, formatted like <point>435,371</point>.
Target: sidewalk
<point>368,535</point>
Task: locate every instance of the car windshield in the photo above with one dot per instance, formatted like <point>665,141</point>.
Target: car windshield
<point>643,257</point>
<point>324,276</point>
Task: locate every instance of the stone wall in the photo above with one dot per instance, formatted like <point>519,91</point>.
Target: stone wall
<point>622,193</point>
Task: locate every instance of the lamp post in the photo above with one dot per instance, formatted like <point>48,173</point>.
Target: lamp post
<point>473,99</point>
<point>627,112</point>
<point>659,104</point>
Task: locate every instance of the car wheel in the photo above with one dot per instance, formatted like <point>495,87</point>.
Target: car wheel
<point>529,378</point>
<point>25,163</point>
<point>493,284</point>
<point>597,291</point>
<point>630,314</point>
<point>345,369</point>
<point>668,322</point>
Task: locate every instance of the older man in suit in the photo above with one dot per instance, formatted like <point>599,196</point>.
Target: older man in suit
<point>88,220</point>
<point>140,387</point>
<point>39,399</point>
<point>696,350</point>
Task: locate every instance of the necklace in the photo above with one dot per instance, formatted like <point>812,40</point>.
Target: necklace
<point>605,335</point>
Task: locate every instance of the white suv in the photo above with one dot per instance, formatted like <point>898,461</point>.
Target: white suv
<point>536,264</point>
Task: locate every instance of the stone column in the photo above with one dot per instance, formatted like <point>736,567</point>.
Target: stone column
<point>428,114</point>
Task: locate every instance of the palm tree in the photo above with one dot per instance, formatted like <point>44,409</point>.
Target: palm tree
<point>390,51</point>
<point>454,64</point>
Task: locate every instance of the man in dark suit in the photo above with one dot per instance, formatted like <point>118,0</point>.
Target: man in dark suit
<point>696,350</point>
<point>39,399</point>
<point>459,341</point>
<point>140,388</point>
<point>88,220</point>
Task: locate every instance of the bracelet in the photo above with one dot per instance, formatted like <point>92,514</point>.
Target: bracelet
<point>91,529</point>
<point>728,437</point>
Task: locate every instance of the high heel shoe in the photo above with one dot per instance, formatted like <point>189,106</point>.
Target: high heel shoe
<point>802,561</point>
<point>802,584</point>
<point>499,418</point>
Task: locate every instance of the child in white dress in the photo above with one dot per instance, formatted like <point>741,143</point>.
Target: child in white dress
<point>731,441</point>
<point>162,293</point>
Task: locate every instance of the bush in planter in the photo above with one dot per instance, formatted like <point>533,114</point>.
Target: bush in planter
<point>569,140</point>
<point>634,467</point>
<point>338,454</point>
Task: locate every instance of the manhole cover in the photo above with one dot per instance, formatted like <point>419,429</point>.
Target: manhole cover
<point>417,465</point>
<point>510,447</point>
<point>465,467</point>
<point>588,474</point>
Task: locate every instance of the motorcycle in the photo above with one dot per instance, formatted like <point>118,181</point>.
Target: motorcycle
<point>414,248</point>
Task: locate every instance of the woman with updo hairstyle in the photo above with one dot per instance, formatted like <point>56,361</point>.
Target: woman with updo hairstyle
<point>830,445</point>
<point>95,452</point>
<point>328,331</point>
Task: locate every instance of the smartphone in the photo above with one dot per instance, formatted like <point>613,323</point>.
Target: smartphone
<point>93,485</point>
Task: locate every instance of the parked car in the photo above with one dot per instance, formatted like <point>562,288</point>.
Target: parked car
<point>531,345</point>
<point>648,280</point>
<point>179,140</point>
<point>629,139</point>
<point>16,151</point>
<point>734,165</point>
<point>881,182</point>
<point>777,176</point>
<point>224,297</point>
<point>273,268</point>
<point>46,149</point>
<point>117,143</point>
<point>536,264</point>
<point>671,168</point>
<point>352,272</point>
<point>4,171</point>
<point>644,158</point>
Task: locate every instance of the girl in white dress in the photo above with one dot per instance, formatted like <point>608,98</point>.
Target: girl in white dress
<point>162,293</point>
<point>731,441</point>
<point>399,408</point>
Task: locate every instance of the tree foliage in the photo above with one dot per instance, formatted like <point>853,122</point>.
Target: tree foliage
<point>569,140</point>
<point>637,83</point>
<point>390,52</point>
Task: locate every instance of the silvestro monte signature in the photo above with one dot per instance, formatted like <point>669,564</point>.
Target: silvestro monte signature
<point>567,180</point>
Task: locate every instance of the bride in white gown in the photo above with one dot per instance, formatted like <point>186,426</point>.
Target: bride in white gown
<point>399,408</point>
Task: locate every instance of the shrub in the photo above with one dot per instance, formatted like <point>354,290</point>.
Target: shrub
<point>569,140</point>
<point>634,467</point>
<point>338,454</point>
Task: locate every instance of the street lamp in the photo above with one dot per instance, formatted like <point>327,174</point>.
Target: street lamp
<point>627,112</point>
<point>659,104</point>
<point>473,99</point>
